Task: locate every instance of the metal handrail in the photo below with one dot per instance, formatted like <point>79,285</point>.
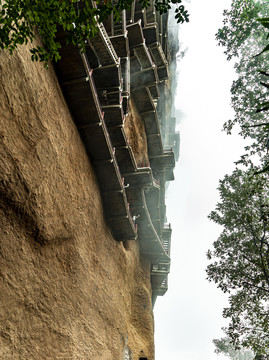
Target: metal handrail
<point>108,43</point>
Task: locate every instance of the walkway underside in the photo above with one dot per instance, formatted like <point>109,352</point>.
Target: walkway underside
<point>123,60</point>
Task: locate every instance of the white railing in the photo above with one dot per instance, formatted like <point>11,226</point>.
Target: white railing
<point>108,43</point>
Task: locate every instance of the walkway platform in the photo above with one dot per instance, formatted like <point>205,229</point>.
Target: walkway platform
<point>124,58</point>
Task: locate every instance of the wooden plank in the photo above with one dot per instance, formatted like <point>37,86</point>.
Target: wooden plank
<point>121,44</point>
<point>143,100</point>
<point>145,77</point>
<point>139,179</point>
<point>106,77</point>
<point>151,33</point>
<point>116,204</point>
<point>166,160</point>
<point>70,66</point>
<point>117,135</point>
<point>81,103</point>
<point>123,229</point>
<point>109,177</point>
<point>96,142</point>
<point>125,159</point>
<point>154,144</point>
<point>135,35</point>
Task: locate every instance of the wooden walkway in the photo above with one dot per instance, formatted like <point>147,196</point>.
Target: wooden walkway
<point>123,59</point>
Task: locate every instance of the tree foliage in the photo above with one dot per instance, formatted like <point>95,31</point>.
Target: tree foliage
<point>225,347</point>
<point>240,259</point>
<point>248,93</point>
<point>244,36</point>
<point>19,20</point>
<point>239,25</point>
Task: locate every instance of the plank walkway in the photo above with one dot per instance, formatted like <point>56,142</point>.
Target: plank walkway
<point>124,59</point>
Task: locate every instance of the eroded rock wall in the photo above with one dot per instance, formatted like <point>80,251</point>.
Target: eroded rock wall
<point>68,290</point>
<point>136,133</point>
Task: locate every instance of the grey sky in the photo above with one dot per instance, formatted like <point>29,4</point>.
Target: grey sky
<point>188,317</point>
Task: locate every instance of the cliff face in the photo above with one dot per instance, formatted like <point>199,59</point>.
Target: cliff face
<point>135,130</point>
<point>68,290</point>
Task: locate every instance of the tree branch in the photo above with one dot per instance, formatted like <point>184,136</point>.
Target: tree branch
<point>256,125</point>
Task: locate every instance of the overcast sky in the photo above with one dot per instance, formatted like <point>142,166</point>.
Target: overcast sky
<point>189,316</point>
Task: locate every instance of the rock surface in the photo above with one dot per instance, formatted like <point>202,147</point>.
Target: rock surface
<point>136,133</point>
<point>68,290</point>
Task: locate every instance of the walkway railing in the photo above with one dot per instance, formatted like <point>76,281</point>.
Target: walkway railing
<point>95,97</point>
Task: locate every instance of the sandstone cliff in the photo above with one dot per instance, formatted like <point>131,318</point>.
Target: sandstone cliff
<point>68,290</point>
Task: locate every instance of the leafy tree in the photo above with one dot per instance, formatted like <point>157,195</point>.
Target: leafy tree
<point>248,91</point>
<point>260,357</point>
<point>239,24</point>
<point>243,37</point>
<point>240,259</point>
<point>20,20</point>
<point>225,347</point>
